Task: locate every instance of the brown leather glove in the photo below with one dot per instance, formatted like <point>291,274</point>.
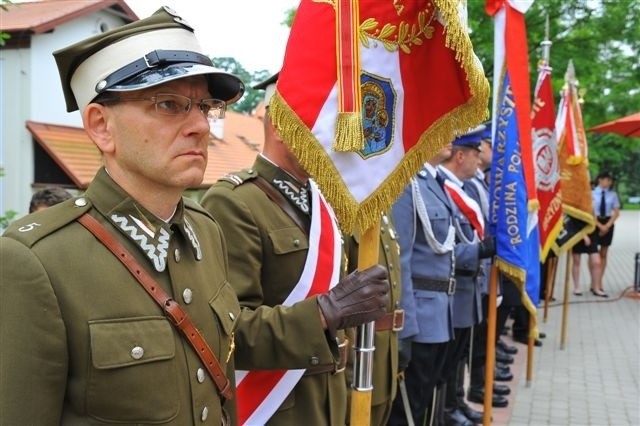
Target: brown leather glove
<point>360,297</point>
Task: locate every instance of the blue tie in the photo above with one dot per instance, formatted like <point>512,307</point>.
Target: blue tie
<point>602,209</point>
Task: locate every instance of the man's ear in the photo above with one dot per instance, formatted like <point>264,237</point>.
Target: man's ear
<point>96,123</point>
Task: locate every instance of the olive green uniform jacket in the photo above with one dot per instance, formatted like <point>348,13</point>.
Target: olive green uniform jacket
<point>267,253</point>
<point>81,342</point>
<point>385,356</point>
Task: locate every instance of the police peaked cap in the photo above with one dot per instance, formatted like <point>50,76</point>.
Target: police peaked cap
<point>142,54</point>
<point>471,139</point>
<point>269,87</point>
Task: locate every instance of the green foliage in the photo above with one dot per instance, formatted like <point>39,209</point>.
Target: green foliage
<point>251,97</point>
<point>4,36</point>
<point>602,37</point>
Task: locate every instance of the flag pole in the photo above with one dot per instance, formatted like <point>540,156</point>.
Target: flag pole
<point>489,369</point>
<point>550,272</point>
<point>368,252</point>
<point>565,303</point>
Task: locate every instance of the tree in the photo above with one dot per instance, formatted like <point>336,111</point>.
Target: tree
<point>251,98</point>
<point>4,36</point>
<point>603,39</point>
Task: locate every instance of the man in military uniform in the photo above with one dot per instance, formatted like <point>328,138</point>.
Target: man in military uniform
<point>82,341</point>
<point>469,223</point>
<point>385,358</point>
<point>285,252</point>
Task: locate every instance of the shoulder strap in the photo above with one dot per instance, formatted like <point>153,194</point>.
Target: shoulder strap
<point>279,199</point>
<point>177,316</point>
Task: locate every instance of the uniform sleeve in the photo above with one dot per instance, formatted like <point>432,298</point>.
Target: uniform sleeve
<point>33,353</point>
<point>405,220</point>
<point>260,330</point>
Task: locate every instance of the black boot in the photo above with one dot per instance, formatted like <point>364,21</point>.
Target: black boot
<point>474,415</point>
<point>477,395</point>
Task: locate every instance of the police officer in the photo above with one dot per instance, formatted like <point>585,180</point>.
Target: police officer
<point>428,252</point>
<point>82,341</point>
<point>285,253</point>
<point>385,358</point>
<point>469,224</point>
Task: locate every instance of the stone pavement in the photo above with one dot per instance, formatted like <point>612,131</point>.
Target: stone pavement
<point>594,380</point>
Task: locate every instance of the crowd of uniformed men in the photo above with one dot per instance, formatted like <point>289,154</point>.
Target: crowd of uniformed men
<point>253,294</point>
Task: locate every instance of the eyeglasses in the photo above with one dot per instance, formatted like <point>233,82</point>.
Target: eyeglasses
<point>172,104</point>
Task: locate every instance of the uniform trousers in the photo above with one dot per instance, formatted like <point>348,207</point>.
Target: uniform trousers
<point>457,350</point>
<point>421,376</point>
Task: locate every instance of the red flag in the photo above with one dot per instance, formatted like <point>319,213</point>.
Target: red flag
<point>362,135</point>
<point>545,154</point>
<point>577,205</point>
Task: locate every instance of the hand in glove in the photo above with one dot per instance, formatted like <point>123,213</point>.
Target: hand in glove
<point>404,356</point>
<point>487,247</point>
<point>360,297</point>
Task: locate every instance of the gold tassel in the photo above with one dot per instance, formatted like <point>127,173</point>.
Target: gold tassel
<point>349,132</point>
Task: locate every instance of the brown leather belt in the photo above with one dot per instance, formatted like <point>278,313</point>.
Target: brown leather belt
<point>445,286</point>
<point>332,368</point>
<point>393,321</point>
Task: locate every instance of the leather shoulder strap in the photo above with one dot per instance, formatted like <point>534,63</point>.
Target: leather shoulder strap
<point>279,199</point>
<point>172,309</point>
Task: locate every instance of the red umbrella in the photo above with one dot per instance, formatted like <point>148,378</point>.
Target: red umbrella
<point>628,126</point>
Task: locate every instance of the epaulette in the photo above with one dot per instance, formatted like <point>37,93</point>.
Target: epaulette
<point>240,177</point>
<point>194,206</point>
<point>34,227</point>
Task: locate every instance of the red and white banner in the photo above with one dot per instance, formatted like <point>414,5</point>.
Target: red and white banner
<point>545,156</point>
<point>362,135</point>
<point>261,392</point>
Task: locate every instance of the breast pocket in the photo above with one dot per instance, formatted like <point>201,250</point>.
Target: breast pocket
<point>133,376</point>
<point>226,308</point>
<point>288,240</point>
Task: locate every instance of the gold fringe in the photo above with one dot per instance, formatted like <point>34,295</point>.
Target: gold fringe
<point>551,240</point>
<point>583,216</point>
<point>574,160</point>
<point>349,132</point>
<point>315,160</point>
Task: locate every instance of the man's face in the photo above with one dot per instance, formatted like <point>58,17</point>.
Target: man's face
<point>470,161</point>
<point>156,151</point>
<point>486,155</point>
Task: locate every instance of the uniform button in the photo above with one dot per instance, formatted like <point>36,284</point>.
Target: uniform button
<point>205,414</point>
<point>176,255</point>
<point>395,284</point>
<point>80,202</point>
<point>296,242</point>
<point>386,247</point>
<point>382,229</point>
<point>200,375</point>
<point>314,360</point>
<point>187,295</point>
<point>233,317</point>
<point>391,266</point>
<point>137,352</point>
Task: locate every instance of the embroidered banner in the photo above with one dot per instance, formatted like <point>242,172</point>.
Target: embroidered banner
<point>513,217</point>
<point>545,154</point>
<point>420,85</point>
<point>574,173</point>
